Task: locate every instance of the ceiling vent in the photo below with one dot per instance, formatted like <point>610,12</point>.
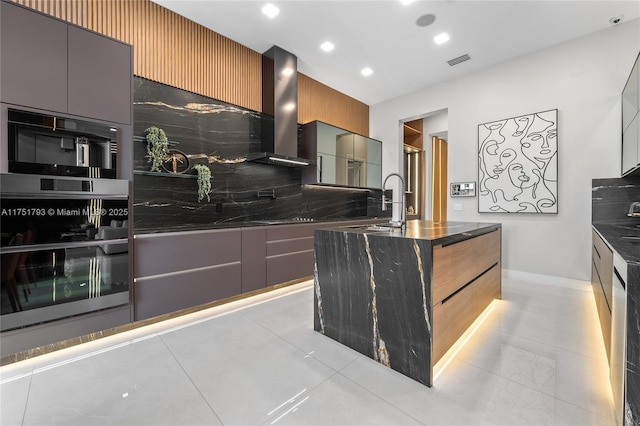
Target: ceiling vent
<point>459,59</point>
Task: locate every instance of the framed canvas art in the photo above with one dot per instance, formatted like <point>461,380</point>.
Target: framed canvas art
<point>518,164</point>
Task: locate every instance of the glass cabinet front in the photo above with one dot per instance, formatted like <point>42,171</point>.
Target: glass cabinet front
<point>344,158</point>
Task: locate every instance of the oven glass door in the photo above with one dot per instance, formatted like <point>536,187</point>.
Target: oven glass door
<point>61,258</point>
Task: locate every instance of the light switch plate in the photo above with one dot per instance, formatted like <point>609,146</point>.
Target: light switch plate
<point>457,207</point>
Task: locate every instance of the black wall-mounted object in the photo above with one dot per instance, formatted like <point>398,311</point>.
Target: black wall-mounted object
<point>280,101</point>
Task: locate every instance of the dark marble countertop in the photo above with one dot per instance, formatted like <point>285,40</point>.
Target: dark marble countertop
<point>614,235</point>
<point>438,233</point>
<point>252,223</point>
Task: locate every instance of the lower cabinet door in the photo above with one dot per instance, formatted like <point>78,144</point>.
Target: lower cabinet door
<point>290,266</point>
<point>604,314</point>
<point>254,259</point>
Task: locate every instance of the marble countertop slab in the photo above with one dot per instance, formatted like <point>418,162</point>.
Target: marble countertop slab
<point>438,233</point>
<point>614,235</point>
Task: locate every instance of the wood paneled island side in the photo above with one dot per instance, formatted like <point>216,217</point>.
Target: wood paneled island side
<point>403,298</point>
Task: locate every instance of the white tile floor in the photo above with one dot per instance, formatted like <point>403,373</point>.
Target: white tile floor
<point>537,359</point>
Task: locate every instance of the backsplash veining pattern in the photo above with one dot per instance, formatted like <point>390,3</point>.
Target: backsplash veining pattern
<point>221,135</point>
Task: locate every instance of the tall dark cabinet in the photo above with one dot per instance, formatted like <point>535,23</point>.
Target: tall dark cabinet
<point>57,69</point>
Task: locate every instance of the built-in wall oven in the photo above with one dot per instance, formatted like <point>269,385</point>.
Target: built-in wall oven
<point>64,247</point>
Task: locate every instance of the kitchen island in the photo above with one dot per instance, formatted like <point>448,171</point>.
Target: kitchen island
<point>403,297</point>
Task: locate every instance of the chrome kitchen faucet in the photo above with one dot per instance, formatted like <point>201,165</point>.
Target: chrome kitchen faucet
<point>402,223</point>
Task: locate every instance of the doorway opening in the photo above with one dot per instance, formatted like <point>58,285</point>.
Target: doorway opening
<point>439,186</point>
<point>414,169</point>
<point>425,165</point>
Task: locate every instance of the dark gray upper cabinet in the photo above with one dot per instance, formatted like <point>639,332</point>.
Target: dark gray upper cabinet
<point>100,77</point>
<point>33,59</point>
<point>48,64</point>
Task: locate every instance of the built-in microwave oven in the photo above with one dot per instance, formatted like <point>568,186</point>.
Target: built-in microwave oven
<point>56,145</point>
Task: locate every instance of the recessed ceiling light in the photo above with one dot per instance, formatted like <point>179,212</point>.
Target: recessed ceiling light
<point>287,71</point>
<point>270,10</point>
<point>327,46</point>
<point>406,2</point>
<point>366,71</point>
<point>441,38</point>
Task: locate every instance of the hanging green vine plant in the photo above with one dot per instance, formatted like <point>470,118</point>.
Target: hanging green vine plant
<point>204,181</point>
<point>157,147</point>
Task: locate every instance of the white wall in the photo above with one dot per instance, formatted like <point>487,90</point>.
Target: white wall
<point>583,79</point>
<point>435,124</point>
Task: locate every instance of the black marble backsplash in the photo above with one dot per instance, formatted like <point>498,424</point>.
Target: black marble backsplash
<point>611,198</point>
<point>221,135</point>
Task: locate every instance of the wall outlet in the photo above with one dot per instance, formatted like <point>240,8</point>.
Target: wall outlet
<point>457,207</point>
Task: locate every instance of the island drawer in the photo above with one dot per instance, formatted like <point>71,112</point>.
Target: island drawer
<point>457,264</point>
<point>456,314</point>
<point>487,250</point>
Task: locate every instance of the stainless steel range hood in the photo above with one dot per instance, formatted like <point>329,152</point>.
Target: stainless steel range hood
<point>279,100</point>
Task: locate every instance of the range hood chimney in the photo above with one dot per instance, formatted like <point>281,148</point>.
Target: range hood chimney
<point>280,100</point>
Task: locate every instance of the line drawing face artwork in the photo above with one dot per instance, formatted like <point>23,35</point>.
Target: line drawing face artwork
<point>518,164</point>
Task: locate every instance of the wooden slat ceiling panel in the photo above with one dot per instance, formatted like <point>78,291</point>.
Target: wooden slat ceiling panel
<point>320,102</point>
